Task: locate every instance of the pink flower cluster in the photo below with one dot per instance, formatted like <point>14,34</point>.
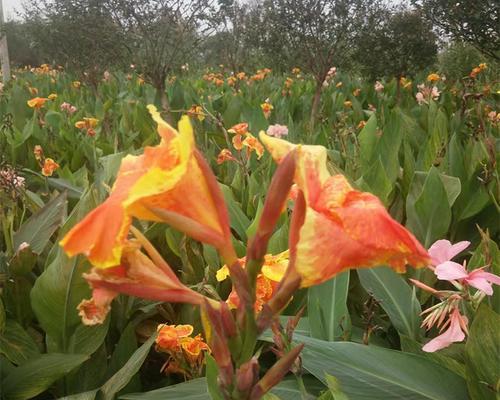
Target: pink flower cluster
<point>68,108</point>
<point>277,130</point>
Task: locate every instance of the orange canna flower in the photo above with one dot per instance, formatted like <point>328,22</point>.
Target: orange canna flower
<point>239,129</point>
<point>194,348</point>
<point>76,84</point>
<point>483,66</point>
<point>339,85</point>
<point>475,72</point>
<point>225,155</point>
<point>169,336</point>
<point>52,96</point>
<point>196,112</point>
<point>296,70</point>
<point>253,144</point>
<point>266,109</point>
<point>361,124</point>
<point>433,77</point>
<point>237,142</point>
<point>49,166</point>
<point>272,272</point>
<point>241,76</point>
<point>87,123</point>
<point>340,227</point>
<point>171,183</point>
<point>347,104</point>
<point>37,102</point>
<point>356,92</point>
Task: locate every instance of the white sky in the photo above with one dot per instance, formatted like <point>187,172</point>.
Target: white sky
<point>9,6</point>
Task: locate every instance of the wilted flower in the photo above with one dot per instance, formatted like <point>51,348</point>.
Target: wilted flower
<point>277,130</point>
<point>433,78</point>
<point>49,166</point>
<point>38,152</point>
<point>379,87</point>
<point>37,102</point>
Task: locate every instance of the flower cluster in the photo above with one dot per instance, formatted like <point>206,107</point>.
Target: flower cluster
<point>88,125</point>
<point>47,165</point>
<point>244,139</point>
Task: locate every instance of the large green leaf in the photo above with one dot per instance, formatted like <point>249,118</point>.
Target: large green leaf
<point>38,229</point>
<point>373,373</point>
<point>327,304</point>
<point>429,214</point>
<point>395,296</point>
<point>16,344</point>
<point>482,354</point>
<point>38,374</point>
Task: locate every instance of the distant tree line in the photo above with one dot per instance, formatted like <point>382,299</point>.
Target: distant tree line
<point>160,36</point>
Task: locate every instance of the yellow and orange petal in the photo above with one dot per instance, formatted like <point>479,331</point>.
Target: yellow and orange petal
<point>52,96</point>
<point>49,166</point>
<point>169,336</point>
<point>167,177</point>
<point>196,112</point>
<point>95,310</point>
<point>37,102</point>
<point>193,348</point>
<point>237,142</point>
<point>252,143</point>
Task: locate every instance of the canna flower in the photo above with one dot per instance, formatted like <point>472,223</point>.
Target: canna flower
<point>356,92</point>
<point>433,78</point>
<point>253,144</point>
<point>420,98</point>
<point>52,96</point>
<point>347,104</point>
<point>106,76</point>
<point>87,123</point>
<point>239,129</point>
<point>169,336</point>
<point>296,70</point>
<point>272,272</point>
<point>37,102</point>
<point>339,85</point>
<point>38,152</point>
<point>277,130</point>
<point>266,109</point>
<point>136,274</point>
<point>33,91</point>
<point>405,83</point>
<point>361,124</point>
<point>76,84</point>
<point>196,111</point>
<point>241,76</point>
<point>68,108</point>
<point>340,227</point>
<point>483,66</point>
<point>169,182</point>
<point>457,328</point>
<point>231,81</point>
<point>225,155</point>
<point>442,250</point>
<point>49,166</point>
<point>379,87</point>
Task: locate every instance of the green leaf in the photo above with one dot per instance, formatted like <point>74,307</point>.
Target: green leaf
<point>119,380</point>
<point>37,375</point>
<point>16,344</point>
<point>482,353</point>
<point>38,229</point>
<point>395,296</point>
<point>196,389</point>
<point>212,376</point>
<point>239,221</point>
<point>335,388</point>
<point>376,181</point>
<point>375,373</point>
<point>429,216</point>
<point>87,339</point>
<point>328,317</point>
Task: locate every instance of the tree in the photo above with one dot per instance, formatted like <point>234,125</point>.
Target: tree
<point>401,45</point>
<point>315,34</point>
<point>471,21</point>
<point>162,34</point>
<point>77,33</point>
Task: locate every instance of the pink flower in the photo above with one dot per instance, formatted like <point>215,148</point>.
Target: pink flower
<point>443,250</point>
<point>420,98</point>
<point>277,130</point>
<point>68,108</point>
<point>455,333</point>
<point>379,87</point>
<point>479,279</point>
<point>435,93</point>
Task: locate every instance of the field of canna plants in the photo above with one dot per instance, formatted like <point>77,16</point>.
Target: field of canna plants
<point>215,241</point>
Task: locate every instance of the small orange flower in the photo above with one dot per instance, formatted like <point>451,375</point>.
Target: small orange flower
<point>37,102</point>
<point>433,77</point>
<point>52,96</point>
<point>33,91</point>
<point>237,142</point>
<point>339,85</point>
<point>196,112</point>
<point>296,70</point>
<point>475,72</point>
<point>239,129</point>
<point>38,152</point>
<point>231,81</point>
<point>272,272</point>
<point>356,92</point>
<point>225,155</point>
<point>194,348</point>
<point>49,166</point>
<point>253,144</point>
<point>361,124</point>
<point>347,104</point>
<point>483,66</point>
<point>241,76</point>
<point>266,109</point>
<point>76,84</point>
<point>87,123</point>
<point>169,336</point>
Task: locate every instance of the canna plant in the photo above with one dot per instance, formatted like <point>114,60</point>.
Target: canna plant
<point>333,228</point>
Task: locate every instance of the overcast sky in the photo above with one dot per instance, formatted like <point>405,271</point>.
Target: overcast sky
<point>9,6</point>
